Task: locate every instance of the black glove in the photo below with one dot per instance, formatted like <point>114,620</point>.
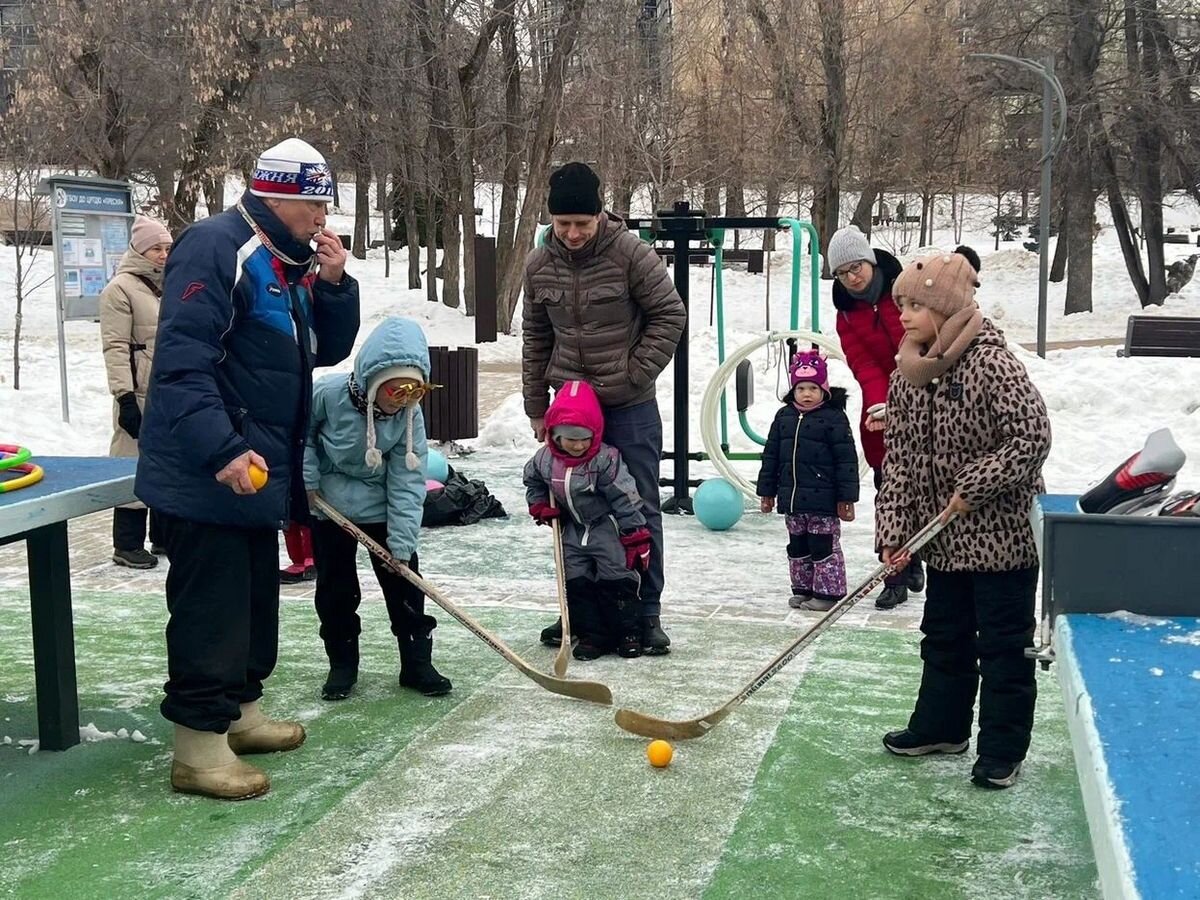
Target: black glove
<point>129,417</point>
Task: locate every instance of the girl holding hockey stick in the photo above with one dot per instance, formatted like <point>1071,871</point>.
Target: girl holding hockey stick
<point>967,434</point>
<point>810,471</point>
<point>366,455</point>
<point>606,544</point>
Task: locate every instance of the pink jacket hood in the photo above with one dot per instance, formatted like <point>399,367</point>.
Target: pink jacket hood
<point>575,404</point>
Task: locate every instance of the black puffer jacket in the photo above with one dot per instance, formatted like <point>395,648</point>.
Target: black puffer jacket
<point>809,464</point>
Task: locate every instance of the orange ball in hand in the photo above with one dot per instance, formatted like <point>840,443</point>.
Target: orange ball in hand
<point>659,753</point>
<point>258,477</point>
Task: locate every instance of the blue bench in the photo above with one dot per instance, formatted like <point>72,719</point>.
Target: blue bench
<point>1132,691</point>
<point>73,486</point>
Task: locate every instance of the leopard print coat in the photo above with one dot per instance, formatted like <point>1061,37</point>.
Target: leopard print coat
<point>981,430</point>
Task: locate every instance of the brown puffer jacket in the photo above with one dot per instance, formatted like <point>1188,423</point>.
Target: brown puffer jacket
<point>128,323</point>
<point>607,314</point>
<point>981,430</point>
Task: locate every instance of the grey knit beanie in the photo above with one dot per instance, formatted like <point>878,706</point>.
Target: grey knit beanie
<point>846,246</point>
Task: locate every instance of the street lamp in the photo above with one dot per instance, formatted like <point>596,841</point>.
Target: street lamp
<point>1052,139</point>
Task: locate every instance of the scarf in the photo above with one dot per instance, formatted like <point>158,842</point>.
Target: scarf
<point>874,290</point>
<point>813,407</point>
<point>920,365</point>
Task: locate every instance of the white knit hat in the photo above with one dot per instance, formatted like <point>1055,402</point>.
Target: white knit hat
<point>292,170</point>
<point>848,245</point>
<point>374,458</point>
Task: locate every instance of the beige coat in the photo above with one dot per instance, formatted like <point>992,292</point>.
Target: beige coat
<point>607,314</point>
<point>128,322</point>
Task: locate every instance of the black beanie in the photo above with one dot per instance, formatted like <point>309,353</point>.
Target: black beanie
<point>574,191</point>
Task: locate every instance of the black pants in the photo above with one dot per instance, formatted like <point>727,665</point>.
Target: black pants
<point>223,629</point>
<point>338,593</point>
<point>977,626</point>
<point>637,432</point>
<point>129,529</point>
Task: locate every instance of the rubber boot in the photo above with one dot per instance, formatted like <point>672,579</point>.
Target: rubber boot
<point>416,666</point>
<point>343,669</point>
<point>255,733</point>
<point>205,765</point>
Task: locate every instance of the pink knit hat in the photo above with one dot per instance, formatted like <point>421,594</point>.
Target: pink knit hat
<point>149,233</point>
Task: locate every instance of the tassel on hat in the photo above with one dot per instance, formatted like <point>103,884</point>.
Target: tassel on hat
<point>374,457</point>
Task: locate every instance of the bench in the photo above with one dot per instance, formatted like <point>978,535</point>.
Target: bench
<point>1162,336</point>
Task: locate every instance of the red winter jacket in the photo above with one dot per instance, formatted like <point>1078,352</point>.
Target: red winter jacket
<point>870,337</point>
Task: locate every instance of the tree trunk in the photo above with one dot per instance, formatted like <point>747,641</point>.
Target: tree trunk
<point>540,148</point>
<point>430,249</point>
<point>511,146</point>
<point>362,203</point>
<point>773,191</point>
<point>412,236</point>
<point>1058,264</point>
<point>214,193</point>
<point>862,210</point>
<point>1123,225</point>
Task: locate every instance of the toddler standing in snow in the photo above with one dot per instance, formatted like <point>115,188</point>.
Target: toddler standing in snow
<point>606,544</point>
<point>366,454</point>
<point>810,473</point>
<point>967,433</point>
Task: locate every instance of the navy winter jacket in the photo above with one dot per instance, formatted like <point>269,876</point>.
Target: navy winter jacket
<point>810,464</point>
<point>238,336</point>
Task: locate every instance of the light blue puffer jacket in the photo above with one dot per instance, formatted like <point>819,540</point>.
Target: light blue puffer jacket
<point>334,460</point>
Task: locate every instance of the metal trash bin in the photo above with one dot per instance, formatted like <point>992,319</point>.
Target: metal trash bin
<point>452,411</point>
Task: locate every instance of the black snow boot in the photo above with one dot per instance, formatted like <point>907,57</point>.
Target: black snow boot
<point>552,634</point>
<point>416,668</point>
<point>628,621</point>
<point>915,576</point>
<point>135,559</point>
<point>892,596</point>
<point>343,669</point>
<point>654,640</point>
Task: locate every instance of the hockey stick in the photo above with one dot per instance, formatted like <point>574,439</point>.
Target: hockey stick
<point>654,727</point>
<point>560,575</point>
<point>592,691</point>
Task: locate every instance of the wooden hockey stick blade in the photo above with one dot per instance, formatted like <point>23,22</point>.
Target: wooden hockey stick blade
<point>592,691</point>
<point>654,727</point>
<point>563,658</point>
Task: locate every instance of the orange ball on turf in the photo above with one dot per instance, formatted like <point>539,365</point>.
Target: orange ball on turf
<point>659,753</point>
<point>258,477</point>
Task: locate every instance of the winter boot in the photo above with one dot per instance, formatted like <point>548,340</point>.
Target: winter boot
<point>892,596</point>
<point>915,576</point>
<point>819,604</point>
<point>797,600</point>
<point>552,634</point>
<point>205,765</point>
<point>989,772</point>
<point>628,620</point>
<point>255,733</point>
<point>416,666</point>
<point>293,574</point>
<point>654,640</point>
<point>343,669</point>
<point>135,559</point>
<point>905,743</point>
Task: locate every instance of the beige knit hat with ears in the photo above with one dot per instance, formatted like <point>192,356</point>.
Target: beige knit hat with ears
<point>374,457</point>
<point>945,283</point>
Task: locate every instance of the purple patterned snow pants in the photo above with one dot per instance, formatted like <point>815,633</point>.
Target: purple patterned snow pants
<point>815,559</point>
